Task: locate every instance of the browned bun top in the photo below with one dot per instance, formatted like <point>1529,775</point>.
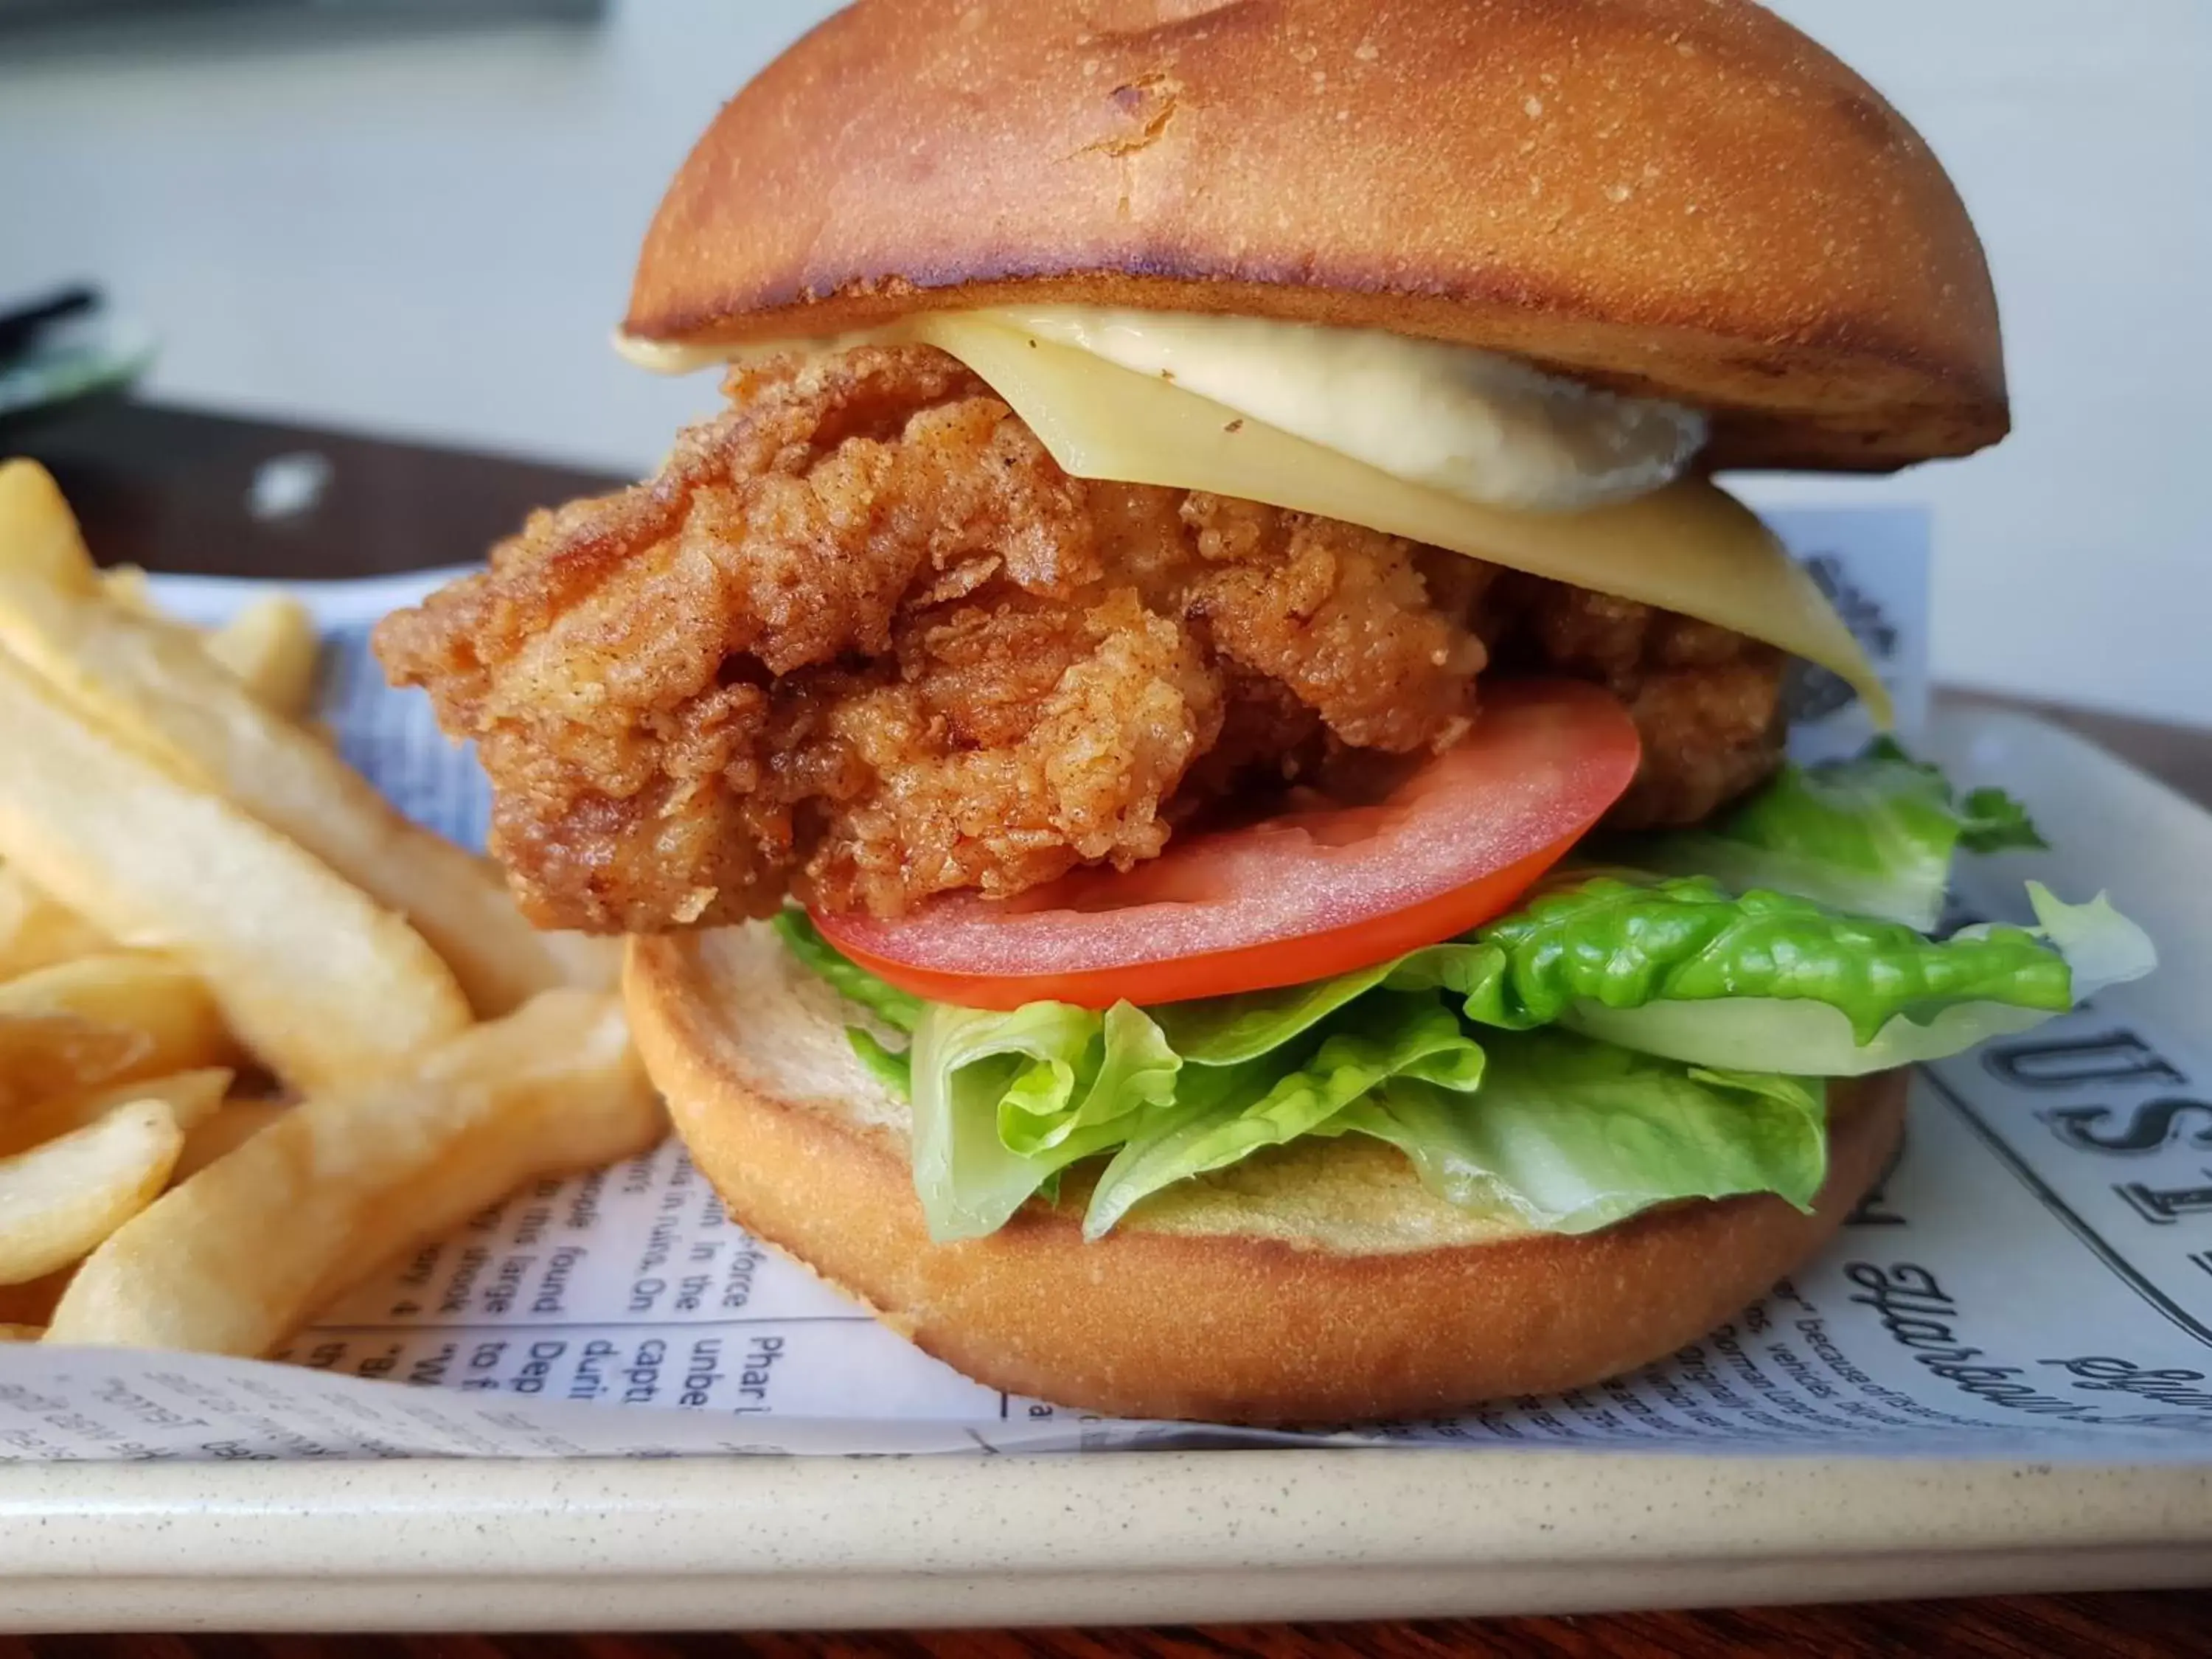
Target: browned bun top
<point>1679,196</point>
<point>1315,1282</point>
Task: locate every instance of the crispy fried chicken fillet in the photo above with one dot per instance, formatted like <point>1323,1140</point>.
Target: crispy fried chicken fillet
<point>862,639</point>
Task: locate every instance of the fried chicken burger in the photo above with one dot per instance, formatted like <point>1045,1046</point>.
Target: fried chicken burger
<point>1193,762</point>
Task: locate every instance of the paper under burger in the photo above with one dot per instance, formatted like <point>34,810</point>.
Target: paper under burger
<point>1194,763</point>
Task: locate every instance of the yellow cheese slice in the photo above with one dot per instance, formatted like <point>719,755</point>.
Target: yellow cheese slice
<point>1690,547</point>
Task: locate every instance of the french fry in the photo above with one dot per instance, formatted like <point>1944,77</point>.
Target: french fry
<point>223,1132</point>
<point>193,1097</point>
<point>241,1256</point>
<point>183,868</point>
<point>36,932</point>
<point>588,963</point>
<point>127,588</point>
<point>39,535</point>
<point>102,1020</point>
<point>59,1200</point>
<point>310,973</point>
<point>270,648</point>
<point>148,682</point>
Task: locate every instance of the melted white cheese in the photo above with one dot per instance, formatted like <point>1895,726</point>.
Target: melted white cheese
<point>1472,423</point>
<point>1475,424</point>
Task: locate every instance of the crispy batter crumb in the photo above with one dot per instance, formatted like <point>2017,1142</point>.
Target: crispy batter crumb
<point>861,637</point>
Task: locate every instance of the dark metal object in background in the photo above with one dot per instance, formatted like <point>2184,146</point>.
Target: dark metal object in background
<point>79,11</point>
<point>70,26</point>
<point>20,324</point>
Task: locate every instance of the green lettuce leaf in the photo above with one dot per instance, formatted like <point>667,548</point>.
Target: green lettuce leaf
<point>1226,1114</point>
<point>2102,947</point>
<point>1993,821</point>
<point>1226,1031</point>
<point>1902,1007</point>
<point>1873,837</point>
<point>1004,1102</point>
<point>892,1067</point>
<point>1570,1135</point>
<point>897,1009</point>
<point>1620,945</point>
<point>1677,967</point>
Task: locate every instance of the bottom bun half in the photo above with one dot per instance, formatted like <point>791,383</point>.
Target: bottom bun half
<point>1316,1283</point>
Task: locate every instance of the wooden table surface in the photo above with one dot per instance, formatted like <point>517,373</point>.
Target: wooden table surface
<point>172,489</point>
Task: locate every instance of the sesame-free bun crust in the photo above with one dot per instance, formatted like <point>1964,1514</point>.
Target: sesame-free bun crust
<point>1318,1283</point>
<point>1679,196</point>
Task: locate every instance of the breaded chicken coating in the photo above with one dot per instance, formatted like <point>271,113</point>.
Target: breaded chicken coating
<point>862,640</point>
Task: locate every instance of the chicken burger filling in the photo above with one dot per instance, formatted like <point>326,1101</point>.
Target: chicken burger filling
<point>1145,824</point>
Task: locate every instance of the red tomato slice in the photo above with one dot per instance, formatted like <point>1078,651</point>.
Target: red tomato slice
<point>1300,896</point>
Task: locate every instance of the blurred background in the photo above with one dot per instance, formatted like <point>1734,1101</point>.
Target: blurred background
<point>419,220</point>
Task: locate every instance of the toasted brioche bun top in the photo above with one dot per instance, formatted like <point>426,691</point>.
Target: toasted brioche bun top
<point>1682,197</point>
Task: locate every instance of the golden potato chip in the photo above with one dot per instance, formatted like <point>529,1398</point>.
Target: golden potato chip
<point>316,978</point>
<point>235,1259</point>
<point>59,1200</point>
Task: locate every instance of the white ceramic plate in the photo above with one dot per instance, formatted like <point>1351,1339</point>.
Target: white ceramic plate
<point>1151,1537</point>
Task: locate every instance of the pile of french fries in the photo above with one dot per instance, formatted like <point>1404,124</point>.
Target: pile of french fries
<point>259,1033</point>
